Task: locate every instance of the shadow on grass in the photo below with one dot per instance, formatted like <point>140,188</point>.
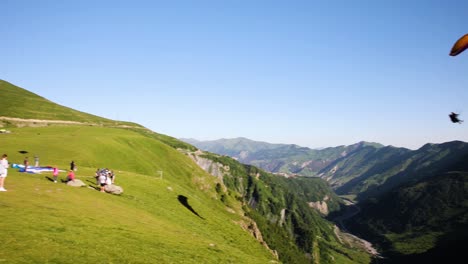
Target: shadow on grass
<point>93,185</point>
<point>49,178</point>
<point>52,180</point>
<point>184,201</point>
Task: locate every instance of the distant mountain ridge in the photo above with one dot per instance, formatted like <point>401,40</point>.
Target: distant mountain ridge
<point>363,169</point>
<point>370,172</point>
<point>238,148</point>
<point>287,159</point>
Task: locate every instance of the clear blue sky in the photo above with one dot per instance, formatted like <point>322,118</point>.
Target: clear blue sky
<point>312,73</point>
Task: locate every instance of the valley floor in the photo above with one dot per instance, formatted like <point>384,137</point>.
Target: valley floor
<point>347,238</point>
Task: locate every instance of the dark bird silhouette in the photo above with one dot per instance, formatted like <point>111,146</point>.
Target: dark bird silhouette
<point>454,118</point>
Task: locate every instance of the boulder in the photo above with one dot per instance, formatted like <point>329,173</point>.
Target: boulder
<point>76,183</point>
<point>114,189</point>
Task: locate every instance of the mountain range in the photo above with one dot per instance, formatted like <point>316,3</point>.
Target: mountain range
<point>286,159</point>
<point>411,203</point>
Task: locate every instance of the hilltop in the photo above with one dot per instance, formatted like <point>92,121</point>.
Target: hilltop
<point>22,106</point>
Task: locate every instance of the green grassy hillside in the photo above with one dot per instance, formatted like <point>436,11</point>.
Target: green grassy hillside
<point>20,103</point>
<point>43,222</point>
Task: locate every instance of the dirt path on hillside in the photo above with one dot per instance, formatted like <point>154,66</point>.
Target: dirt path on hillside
<point>65,122</point>
<point>14,119</point>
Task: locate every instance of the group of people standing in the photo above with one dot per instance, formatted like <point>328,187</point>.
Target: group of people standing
<point>104,177</point>
<point>26,162</point>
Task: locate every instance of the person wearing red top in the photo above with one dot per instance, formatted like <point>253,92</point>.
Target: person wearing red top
<point>71,175</point>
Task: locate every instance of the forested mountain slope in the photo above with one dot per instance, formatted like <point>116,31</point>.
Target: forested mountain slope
<point>422,222</point>
<point>281,208</point>
<point>370,172</point>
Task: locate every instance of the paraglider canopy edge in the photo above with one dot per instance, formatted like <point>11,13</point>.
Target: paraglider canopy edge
<point>459,46</point>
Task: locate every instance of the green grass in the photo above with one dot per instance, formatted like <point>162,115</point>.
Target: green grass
<point>20,103</point>
<point>413,242</point>
<point>43,222</point>
<point>93,147</point>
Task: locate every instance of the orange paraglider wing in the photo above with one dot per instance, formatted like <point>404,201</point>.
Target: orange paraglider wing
<point>459,46</point>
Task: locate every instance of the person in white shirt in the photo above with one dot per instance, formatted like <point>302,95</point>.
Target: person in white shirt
<point>3,171</point>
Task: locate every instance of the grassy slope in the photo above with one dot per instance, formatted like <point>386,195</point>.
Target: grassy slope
<point>20,103</point>
<point>43,222</point>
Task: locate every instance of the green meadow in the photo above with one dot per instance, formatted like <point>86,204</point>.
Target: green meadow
<point>21,103</point>
<point>46,222</point>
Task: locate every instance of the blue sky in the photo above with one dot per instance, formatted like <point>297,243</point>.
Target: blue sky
<point>312,73</point>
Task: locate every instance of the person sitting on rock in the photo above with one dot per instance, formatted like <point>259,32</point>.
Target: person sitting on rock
<point>71,176</point>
